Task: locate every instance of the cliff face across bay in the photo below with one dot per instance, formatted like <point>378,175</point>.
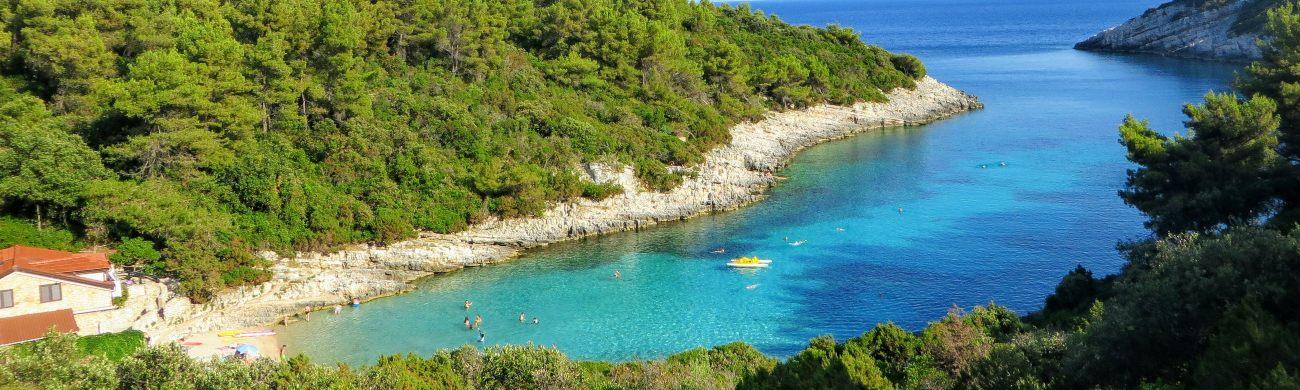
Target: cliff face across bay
<point>731,176</point>
<point>1205,29</point>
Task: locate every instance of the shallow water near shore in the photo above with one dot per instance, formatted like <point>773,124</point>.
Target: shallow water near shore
<point>971,230</point>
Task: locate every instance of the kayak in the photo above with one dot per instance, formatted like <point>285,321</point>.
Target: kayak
<point>227,333</point>
<point>256,334</point>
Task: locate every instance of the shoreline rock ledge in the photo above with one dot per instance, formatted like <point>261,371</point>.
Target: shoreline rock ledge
<point>731,176</point>
<point>1219,30</point>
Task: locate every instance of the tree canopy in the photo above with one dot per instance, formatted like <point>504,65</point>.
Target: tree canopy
<point>214,128</point>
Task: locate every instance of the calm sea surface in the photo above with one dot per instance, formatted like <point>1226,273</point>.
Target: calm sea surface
<point>967,235</point>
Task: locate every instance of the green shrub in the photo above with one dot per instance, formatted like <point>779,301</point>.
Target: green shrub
<point>138,252</point>
<point>121,299</point>
<point>112,346</point>
<point>655,175</point>
<point>909,65</point>
<point>14,231</point>
<point>600,191</point>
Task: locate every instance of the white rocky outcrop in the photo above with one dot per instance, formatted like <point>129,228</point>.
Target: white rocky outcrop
<point>1185,29</point>
<point>731,176</point>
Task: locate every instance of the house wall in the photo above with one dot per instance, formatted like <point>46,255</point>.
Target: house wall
<point>95,275</point>
<point>27,295</point>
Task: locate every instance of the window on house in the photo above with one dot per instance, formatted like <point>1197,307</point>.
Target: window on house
<point>6,299</point>
<point>51,293</point>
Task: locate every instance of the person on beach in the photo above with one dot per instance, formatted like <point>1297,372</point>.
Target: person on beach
<point>478,322</point>
<point>468,304</point>
<point>522,317</point>
<point>468,326</point>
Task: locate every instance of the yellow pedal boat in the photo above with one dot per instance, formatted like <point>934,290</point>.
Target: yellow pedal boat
<point>749,262</point>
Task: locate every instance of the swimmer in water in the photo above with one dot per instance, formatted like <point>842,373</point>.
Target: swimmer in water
<point>752,286</point>
<point>522,317</point>
<point>468,304</point>
<point>468,325</point>
<point>900,211</point>
<point>481,336</point>
<point>1002,163</point>
<point>839,229</point>
<point>535,321</point>
<point>618,275</point>
<point>478,322</point>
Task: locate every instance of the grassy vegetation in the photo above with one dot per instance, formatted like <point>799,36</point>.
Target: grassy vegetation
<point>112,346</point>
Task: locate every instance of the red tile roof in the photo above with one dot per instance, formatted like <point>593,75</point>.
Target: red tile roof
<point>30,327</point>
<point>53,263</point>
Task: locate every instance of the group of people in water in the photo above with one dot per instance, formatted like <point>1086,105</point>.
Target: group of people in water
<point>477,323</point>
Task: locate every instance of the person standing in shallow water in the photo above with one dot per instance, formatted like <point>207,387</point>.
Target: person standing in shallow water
<point>478,322</point>
<point>468,326</point>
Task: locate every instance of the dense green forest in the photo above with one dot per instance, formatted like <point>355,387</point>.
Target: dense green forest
<point>1208,302</point>
<point>212,129</point>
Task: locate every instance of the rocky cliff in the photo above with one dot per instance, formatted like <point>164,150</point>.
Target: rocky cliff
<point>1206,29</point>
<point>731,176</point>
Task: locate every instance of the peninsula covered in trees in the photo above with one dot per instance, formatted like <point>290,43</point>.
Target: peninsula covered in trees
<point>198,132</point>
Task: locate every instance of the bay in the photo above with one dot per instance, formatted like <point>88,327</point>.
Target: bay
<point>996,206</point>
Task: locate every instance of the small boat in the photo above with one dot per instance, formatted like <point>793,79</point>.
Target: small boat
<point>798,243</point>
<point>749,262</point>
<point>720,250</point>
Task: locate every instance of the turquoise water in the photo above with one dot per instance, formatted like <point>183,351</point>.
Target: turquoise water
<point>967,235</point>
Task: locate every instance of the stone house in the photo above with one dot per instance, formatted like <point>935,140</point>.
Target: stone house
<point>44,288</point>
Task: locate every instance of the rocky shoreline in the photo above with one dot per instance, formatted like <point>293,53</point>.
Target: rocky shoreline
<point>731,176</point>
<point>1187,29</point>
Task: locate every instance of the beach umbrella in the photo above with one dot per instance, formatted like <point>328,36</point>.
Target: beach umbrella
<point>246,350</point>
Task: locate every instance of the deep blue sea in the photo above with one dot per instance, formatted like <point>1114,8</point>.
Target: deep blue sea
<point>967,234</point>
